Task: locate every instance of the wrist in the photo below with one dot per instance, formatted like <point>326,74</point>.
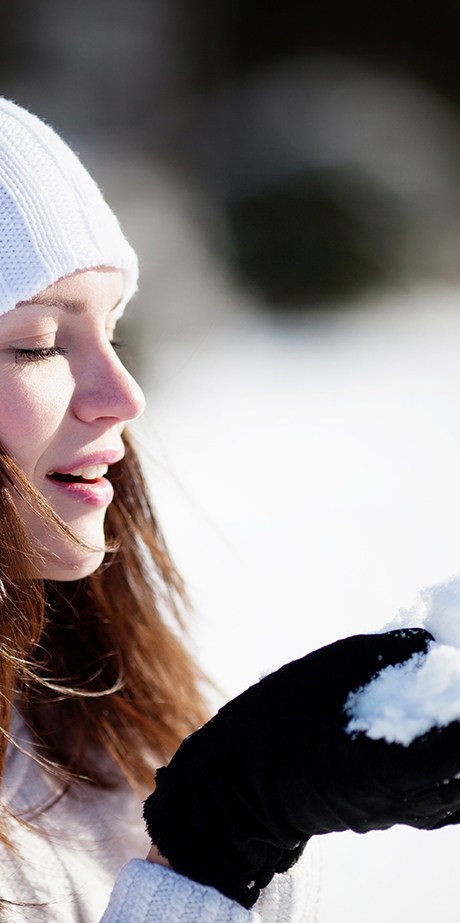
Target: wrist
<point>154,856</point>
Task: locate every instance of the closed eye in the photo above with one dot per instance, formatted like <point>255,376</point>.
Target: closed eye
<point>39,353</point>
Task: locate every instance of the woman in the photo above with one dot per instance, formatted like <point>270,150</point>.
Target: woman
<point>65,401</point>
<point>97,688</point>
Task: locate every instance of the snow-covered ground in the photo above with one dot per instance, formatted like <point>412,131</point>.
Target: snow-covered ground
<point>308,478</point>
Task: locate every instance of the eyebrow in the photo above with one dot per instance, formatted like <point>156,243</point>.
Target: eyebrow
<point>71,306</point>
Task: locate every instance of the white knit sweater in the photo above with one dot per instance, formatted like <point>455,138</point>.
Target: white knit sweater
<point>87,853</point>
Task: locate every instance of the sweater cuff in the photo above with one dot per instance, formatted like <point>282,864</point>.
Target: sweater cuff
<point>149,893</point>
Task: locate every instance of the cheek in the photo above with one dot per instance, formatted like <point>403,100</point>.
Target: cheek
<point>30,418</point>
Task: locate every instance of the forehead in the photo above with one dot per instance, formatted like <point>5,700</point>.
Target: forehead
<point>99,290</point>
<point>86,286</point>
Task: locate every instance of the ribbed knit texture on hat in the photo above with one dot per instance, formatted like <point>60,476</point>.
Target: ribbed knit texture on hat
<point>53,218</point>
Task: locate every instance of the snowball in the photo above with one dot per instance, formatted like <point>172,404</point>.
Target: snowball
<point>406,700</point>
<point>437,609</point>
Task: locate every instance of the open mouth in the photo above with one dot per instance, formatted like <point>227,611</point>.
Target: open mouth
<point>80,475</point>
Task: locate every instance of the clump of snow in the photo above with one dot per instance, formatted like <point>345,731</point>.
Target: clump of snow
<point>437,609</point>
<point>406,700</point>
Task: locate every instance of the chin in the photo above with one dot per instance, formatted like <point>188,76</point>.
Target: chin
<point>71,568</point>
<point>59,559</point>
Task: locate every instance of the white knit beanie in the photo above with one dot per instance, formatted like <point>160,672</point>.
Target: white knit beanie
<point>53,218</point>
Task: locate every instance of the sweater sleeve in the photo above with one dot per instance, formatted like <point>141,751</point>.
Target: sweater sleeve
<point>148,893</point>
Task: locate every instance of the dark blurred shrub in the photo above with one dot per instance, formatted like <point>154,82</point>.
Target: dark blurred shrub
<point>319,237</point>
<point>16,23</point>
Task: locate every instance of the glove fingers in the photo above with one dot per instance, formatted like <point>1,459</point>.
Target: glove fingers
<point>431,761</point>
<point>448,820</point>
<point>397,646</point>
<point>441,802</point>
<point>328,675</point>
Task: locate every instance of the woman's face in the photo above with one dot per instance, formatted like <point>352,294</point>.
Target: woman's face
<point>65,399</point>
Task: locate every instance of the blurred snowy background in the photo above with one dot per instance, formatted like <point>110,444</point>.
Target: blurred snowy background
<point>290,178</point>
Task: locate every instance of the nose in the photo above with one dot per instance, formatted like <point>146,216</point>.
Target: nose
<point>107,390</point>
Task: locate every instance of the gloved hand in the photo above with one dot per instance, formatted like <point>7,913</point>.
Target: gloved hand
<point>243,794</point>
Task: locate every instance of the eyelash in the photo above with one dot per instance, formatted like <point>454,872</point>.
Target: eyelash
<point>49,352</point>
<point>37,355</point>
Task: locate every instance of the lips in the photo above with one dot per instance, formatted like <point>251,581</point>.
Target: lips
<point>86,481</point>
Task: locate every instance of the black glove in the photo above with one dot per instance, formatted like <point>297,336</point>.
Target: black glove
<point>243,794</point>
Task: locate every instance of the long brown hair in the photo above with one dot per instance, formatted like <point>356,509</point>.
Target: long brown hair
<point>97,664</point>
